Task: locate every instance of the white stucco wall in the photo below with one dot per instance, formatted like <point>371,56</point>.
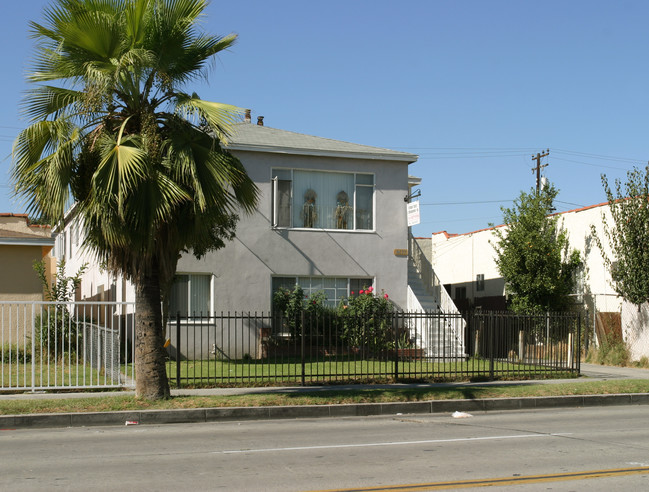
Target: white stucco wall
<point>457,259</point>
<point>635,329</point>
<point>96,283</point>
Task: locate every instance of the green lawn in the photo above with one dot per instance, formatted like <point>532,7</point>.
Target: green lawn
<point>58,374</point>
<point>116,401</point>
<point>251,372</point>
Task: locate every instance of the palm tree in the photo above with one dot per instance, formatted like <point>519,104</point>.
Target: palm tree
<point>112,131</point>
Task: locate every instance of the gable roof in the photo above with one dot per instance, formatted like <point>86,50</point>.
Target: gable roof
<point>257,138</point>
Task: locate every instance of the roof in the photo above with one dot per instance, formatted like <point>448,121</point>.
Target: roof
<point>15,238</point>
<point>257,138</point>
<point>30,235</point>
<point>574,210</point>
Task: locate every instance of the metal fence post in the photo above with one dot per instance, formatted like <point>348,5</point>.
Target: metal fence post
<point>578,354</point>
<point>395,329</point>
<point>302,350</point>
<point>491,345</point>
<point>33,346</point>
<point>178,349</point>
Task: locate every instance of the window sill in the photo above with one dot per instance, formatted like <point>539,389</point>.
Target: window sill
<point>315,229</point>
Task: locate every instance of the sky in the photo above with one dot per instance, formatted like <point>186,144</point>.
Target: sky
<point>475,88</point>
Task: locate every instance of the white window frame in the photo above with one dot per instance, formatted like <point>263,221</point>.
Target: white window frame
<point>349,280</point>
<point>354,229</point>
<point>190,312</point>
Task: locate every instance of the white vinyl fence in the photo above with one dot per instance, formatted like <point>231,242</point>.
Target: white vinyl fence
<point>58,346</point>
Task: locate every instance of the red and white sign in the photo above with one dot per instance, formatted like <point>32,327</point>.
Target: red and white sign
<point>413,213</point>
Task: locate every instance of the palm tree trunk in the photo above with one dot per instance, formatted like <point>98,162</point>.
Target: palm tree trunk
<point>150,373</point>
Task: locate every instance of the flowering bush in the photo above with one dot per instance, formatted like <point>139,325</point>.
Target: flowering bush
<point>366,320</point>
<point>292,305</point>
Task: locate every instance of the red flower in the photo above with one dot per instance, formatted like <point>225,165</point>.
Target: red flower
<point>385,296</point>
<point>370,290</point>
<point>361,292</point>
<point>351,293</point>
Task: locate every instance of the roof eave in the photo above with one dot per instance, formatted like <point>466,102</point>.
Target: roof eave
<point>20,241</point>
<point>401,157</point>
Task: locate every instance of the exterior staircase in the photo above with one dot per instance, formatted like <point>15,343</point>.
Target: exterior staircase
<point>440,328</point>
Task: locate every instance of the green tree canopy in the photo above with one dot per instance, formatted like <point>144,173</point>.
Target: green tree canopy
<point>627,235</point>
<point>533,254</point>
<point>112,130</point>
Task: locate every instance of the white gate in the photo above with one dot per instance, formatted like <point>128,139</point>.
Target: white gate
<point>66,345</point>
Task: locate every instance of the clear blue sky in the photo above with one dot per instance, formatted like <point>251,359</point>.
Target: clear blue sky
<point>473,87</point>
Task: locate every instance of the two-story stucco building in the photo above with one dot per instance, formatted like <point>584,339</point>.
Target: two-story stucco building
<point>331,217</point>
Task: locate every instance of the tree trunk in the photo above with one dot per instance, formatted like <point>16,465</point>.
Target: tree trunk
<point>150,372</point>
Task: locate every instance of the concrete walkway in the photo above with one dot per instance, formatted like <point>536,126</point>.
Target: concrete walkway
<point>589,372</point>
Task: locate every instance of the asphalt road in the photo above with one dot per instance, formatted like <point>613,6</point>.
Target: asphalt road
<point>316,454</point>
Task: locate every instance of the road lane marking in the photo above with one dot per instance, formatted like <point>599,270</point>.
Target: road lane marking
<point>490,482</point>
<point>392,443</point>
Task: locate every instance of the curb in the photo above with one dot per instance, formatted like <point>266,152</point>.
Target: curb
<point>228,414</point>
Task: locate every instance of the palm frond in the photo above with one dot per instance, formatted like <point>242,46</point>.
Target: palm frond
<point>220,117</point>
<point>43,156</point>
<point>49,101</point>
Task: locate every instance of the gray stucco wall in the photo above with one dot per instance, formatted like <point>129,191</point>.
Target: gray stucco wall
<point>245,267</point>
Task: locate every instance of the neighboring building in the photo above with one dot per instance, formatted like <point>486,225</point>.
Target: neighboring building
<point>21,244</point>
<point>465,264</point>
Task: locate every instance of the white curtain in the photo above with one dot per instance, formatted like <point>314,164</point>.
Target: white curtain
<point>326,186</point>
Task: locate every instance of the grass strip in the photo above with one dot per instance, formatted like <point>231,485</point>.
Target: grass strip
<point>116,402</point>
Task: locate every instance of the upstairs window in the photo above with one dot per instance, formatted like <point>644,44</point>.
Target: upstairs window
<point>322,200</point>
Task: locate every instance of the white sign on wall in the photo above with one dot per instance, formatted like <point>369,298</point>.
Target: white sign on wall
<point>413,213</point>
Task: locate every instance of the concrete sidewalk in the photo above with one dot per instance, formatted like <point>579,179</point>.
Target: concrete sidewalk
<point>589,372</point>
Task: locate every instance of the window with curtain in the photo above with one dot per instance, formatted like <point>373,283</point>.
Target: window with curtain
<point>322,200</point>
<point>191,295</point>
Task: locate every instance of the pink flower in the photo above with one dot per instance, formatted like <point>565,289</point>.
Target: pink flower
<point>361,292</point>
<point>385,296</point>
<point>370,290</point>
<point>351,293</point>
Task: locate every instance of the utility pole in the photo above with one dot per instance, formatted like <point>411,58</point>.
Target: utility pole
<point>538,168</point>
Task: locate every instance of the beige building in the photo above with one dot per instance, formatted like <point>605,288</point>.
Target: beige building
<point>21,244</point>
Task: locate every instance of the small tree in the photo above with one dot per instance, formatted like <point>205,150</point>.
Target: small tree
<point>627,235</point>
<point>366,321</point>
<point>56,331</point>
<point>292,305</point>
<point>533,254</point>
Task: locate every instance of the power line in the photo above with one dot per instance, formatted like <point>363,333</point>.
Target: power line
<point>592,165</point>
<point>596,156</point>
<point>466,203</point>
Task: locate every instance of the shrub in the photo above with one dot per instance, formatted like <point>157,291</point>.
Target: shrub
<point>56,331</point>
<point>14,354</point>
<point>294,305</point>
<point>612,351</point>
<point>366,321</point>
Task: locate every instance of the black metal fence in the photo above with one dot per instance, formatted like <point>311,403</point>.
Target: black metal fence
<point>260,349</point>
